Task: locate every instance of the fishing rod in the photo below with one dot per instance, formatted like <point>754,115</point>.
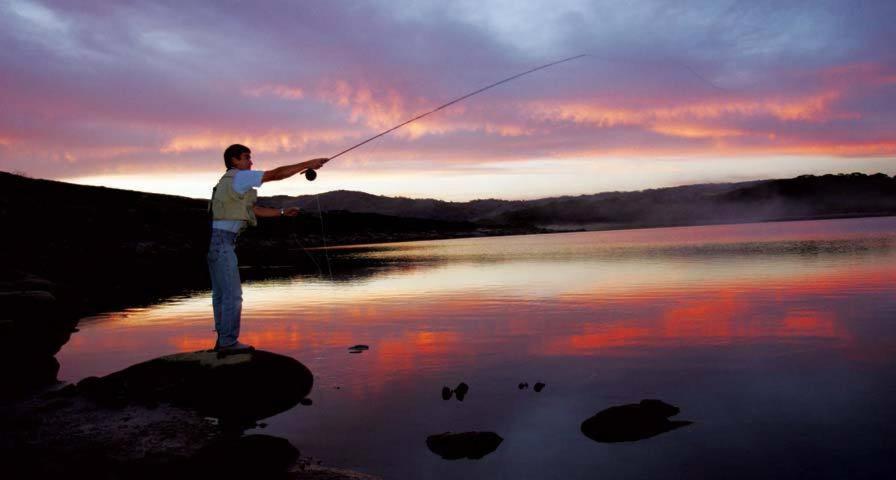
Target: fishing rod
<point>310,174</point>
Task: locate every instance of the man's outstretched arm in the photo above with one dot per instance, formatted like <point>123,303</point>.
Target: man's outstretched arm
<point>287,171</point>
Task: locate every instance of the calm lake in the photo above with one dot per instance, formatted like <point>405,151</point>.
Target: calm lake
<point>778,340</point>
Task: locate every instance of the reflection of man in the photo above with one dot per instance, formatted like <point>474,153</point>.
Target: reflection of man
<point>233,207</point>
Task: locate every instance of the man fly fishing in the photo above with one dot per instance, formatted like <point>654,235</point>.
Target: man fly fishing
<point>233,209</point>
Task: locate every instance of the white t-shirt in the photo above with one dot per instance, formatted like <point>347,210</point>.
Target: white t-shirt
<point>243,180</point>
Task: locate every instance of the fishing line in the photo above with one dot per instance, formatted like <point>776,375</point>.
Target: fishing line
<point>311,174</point>
<point>683,66</point>
<point>323,235</point>
<point>295,239</point>
<point>452,102</point>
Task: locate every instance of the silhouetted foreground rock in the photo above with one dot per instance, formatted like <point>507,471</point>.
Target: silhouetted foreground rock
<point>473,445</point>
<point>635,421</point>
<point>151,421</point>
<point>73,437</point>
<point>33,326</point>
<point>250,456</point>
<point>241,387</point>
<point>58,437</point>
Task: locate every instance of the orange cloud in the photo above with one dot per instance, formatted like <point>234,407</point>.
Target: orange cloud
<point>274,141</point>
<point>815,107</point>
<point>377,112</point>
<point>383,110</point>
<point>862,73</point>
<point>685,130</point>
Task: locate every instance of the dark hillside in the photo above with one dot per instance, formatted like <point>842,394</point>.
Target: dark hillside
<point>110,247</point>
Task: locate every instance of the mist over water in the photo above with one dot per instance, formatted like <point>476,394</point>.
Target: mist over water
<point>776,339</point>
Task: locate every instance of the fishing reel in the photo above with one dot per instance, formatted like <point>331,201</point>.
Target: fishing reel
<point>310,175</point>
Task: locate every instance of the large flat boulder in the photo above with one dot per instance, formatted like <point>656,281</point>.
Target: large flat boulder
<point>241,387</point>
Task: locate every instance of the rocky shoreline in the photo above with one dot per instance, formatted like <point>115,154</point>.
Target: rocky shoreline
<point>34,323</point>
<point>177,416</point>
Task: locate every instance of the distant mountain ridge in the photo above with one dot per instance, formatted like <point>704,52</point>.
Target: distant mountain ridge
<point>105,247</point>
<point>807,196</point>
<point>473,210</point>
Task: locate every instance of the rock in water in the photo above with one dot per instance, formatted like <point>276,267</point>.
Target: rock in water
<point>472,445</point>
<point>242,387</point>
<point>538,387</point>
<point>461,391</point>
<point>446,393</point>
<point>635,421</point>
<point>358,348</point>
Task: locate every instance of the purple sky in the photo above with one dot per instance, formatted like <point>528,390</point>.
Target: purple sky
<point>146,95</point>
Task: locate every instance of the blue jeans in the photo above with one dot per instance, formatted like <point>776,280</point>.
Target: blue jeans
<point>227,293</point>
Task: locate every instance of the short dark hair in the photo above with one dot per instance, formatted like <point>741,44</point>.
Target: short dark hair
<point>232,151</point>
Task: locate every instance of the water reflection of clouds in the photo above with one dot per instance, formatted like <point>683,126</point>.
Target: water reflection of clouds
<point>585,281</point>
<point>432,323</point>
<point>765,348</point>
<point>426,315</point>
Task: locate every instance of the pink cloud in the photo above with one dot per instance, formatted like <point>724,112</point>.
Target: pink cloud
<point>169,87</point>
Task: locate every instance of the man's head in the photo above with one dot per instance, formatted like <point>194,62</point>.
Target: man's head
<point>238,156</point>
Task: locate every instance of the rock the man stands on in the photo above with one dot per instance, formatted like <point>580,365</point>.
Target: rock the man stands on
<point>233,208</point>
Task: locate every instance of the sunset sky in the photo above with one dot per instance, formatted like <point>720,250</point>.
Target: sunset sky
<point>146,95</point>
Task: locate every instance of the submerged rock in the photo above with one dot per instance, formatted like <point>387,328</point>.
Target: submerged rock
<point>358,348</point>
<point>631,422</point>
<point>472,445</point>
<point>242,387</point>
<point>538,387</point>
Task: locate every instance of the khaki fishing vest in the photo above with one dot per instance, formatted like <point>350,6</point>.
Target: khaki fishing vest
<point>228,205</point>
